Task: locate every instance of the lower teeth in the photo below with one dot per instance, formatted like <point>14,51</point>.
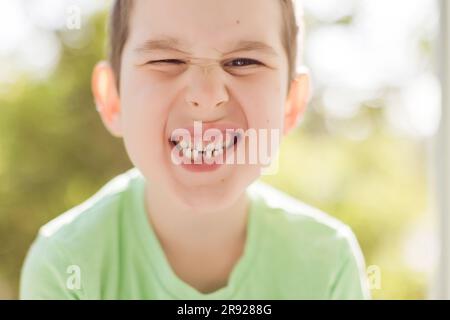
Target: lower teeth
<point>195,154</point>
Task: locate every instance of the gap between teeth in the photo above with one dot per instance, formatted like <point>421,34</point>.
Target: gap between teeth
<point>209,151</point>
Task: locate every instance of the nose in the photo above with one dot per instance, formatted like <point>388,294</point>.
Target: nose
<point>206,88</point>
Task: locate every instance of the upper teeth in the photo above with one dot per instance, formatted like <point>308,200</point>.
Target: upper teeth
<point>208,150</point>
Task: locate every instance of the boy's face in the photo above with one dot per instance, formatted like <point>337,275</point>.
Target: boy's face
<point>156,99</point>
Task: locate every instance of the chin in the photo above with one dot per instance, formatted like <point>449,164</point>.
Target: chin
<point>208,198</point>
<point>212,197</point>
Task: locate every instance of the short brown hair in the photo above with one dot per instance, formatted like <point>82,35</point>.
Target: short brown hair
<point>119,28</point>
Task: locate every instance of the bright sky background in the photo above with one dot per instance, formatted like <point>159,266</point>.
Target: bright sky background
<point>349,63</point>
<point>379,49</point>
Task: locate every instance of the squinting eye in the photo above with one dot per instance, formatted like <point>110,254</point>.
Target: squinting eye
<point>242,62</point>
<point>168,61</point>
<point>238,63</point>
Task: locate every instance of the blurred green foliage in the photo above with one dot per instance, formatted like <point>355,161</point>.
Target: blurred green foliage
<point>55,153</point>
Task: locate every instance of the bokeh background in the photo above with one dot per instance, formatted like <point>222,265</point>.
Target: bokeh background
<point>361,153</point>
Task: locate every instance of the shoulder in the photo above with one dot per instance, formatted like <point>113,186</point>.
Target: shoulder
<point>82,237</point>
<point>99,212</point>
<point>294,216</point>
<point>315,245</point>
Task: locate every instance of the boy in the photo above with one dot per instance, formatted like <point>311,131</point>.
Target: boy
<point>186,222</point>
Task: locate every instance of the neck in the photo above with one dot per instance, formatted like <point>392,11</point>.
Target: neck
<point>177,226</point>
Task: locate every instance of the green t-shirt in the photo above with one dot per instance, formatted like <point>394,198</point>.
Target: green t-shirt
<point>106,248</point>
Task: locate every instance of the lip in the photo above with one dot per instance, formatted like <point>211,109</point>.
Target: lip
<point>213,166</point>
<point>201,167</point>
<point>222,127</point>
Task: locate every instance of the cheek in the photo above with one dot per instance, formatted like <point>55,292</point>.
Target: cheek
<point>145,101</point>
<point>144,112</point>
<point>263,102</point>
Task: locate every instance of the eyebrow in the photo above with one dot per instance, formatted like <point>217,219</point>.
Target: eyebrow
<point>173,44</point>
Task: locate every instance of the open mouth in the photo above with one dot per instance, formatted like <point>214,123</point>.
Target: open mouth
<point>202,152</point>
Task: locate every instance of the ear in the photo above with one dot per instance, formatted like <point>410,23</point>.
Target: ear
<point>107,98</point>
<point>298,98</point>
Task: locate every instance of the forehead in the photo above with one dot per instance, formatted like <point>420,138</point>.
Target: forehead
<point>215,25</point>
